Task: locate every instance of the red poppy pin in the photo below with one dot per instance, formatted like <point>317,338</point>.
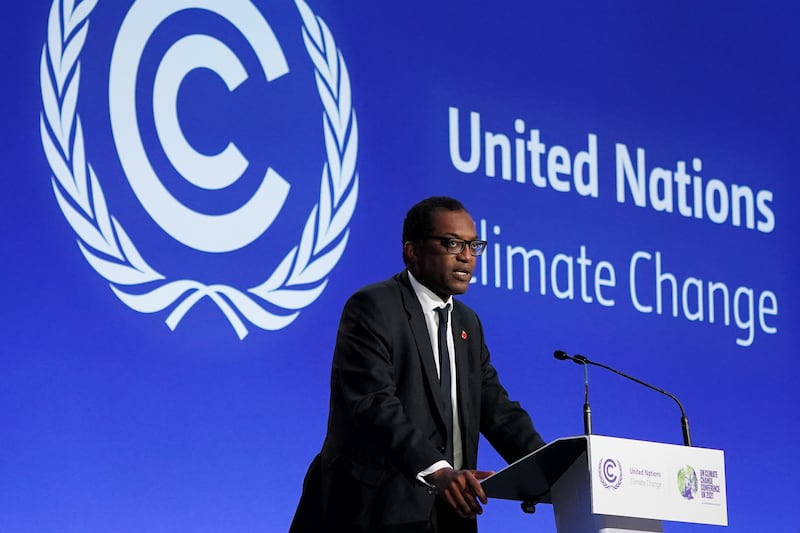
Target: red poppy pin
<point>463,334</point>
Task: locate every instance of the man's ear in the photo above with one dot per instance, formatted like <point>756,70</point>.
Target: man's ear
<point>410,253</point>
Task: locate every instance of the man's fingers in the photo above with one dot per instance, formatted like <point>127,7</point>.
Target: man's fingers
<point>460,504</point>
<point>464,491</point>
<point>475,487</point>
<point>467,506</point>
<point>461,490</point>
<point>482,474</point>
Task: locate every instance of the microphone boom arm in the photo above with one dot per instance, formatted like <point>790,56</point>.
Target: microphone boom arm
<point>687,439</point>
<point>583,360</point>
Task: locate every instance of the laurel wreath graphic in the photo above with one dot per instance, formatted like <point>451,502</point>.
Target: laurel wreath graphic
<point>300,277</point>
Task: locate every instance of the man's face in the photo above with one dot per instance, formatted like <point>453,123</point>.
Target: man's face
<point>444,274</point>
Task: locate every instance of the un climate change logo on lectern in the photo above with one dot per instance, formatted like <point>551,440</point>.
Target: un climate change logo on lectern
<point>610,473</point>
<point>274,300</point>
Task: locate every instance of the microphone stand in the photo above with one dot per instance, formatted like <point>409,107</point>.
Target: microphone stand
<point>687,439</point>
<point>587,411</point>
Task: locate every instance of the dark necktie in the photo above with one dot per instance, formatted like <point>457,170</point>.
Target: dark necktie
<point>445,377</point>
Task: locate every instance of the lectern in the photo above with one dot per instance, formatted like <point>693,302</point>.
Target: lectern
<point>608,484</point>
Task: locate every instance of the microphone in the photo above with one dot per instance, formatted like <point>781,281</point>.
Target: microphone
<point>582,360</point>
<point>587,409</point>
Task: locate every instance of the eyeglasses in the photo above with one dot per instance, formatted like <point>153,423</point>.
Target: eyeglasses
<point>455,246</point>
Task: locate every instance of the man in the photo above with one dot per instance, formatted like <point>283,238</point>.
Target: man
<point>407,405</point>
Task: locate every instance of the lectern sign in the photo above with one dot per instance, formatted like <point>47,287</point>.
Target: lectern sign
<point>677,483</point>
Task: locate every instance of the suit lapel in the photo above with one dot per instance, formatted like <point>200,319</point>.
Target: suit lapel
<point>419,329</point>
<point>462,366</point>
<point>462,370</point>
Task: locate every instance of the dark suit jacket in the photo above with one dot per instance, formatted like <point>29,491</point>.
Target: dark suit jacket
<point>385,423</point>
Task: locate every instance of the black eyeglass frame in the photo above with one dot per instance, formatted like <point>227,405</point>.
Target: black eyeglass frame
<point>462,243</point>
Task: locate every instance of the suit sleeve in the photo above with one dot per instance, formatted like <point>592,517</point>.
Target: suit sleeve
<point>364,372</point>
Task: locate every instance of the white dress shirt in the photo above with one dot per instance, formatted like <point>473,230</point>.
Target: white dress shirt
<point>429,302</point>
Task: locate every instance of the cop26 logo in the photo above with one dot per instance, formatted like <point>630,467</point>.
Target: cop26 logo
<point>302,274</point>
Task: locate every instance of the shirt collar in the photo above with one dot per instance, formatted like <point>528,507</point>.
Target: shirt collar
<point>426,297</point>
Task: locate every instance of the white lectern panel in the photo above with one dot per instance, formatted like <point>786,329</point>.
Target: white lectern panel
<point>657,481</point>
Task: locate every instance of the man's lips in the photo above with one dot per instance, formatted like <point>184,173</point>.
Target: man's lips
<point>463,274</point>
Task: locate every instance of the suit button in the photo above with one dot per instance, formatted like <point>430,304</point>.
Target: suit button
<point>442,448</point>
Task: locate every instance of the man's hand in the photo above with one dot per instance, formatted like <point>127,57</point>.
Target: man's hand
<point>461,490</point>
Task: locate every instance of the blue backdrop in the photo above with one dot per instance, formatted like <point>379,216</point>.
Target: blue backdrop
<point>192,191</point>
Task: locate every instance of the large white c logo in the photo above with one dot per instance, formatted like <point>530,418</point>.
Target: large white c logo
<point>210,233</point>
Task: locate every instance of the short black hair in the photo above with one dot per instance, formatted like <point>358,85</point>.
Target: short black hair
<point>419,219</point>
